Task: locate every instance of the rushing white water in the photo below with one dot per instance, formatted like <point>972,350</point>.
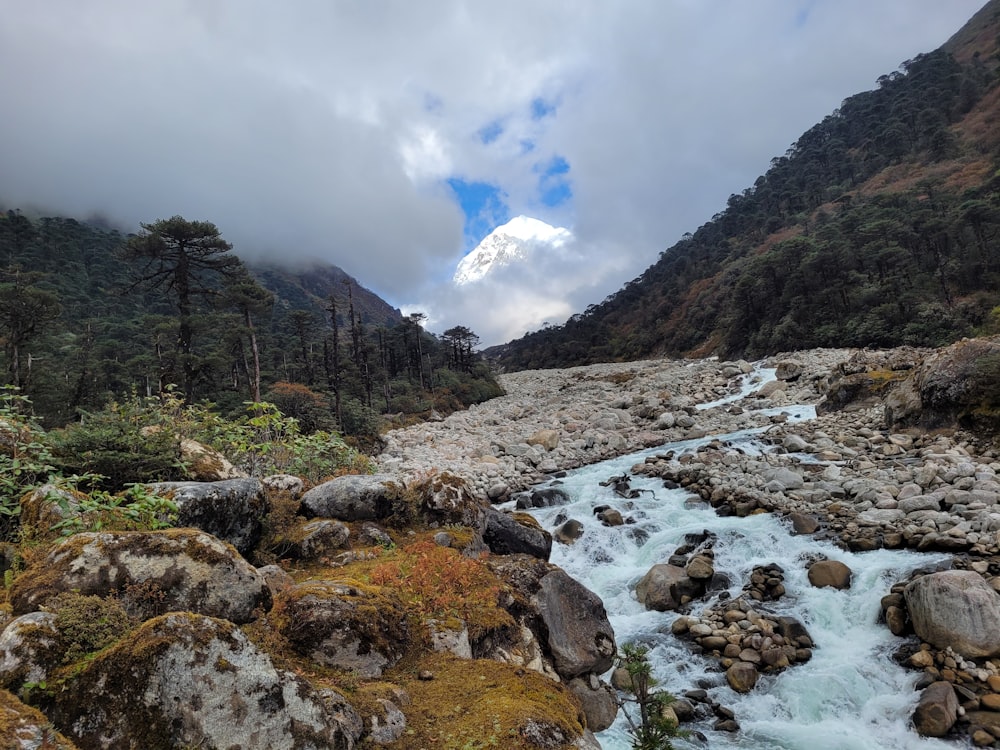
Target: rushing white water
<point>850,696</point>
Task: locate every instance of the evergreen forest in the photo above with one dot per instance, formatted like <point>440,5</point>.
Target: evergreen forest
<point>90,317</point>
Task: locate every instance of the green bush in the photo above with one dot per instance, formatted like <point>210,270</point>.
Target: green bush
<point>125,443</point>
<point>266,442</point>
<point>25,459</point>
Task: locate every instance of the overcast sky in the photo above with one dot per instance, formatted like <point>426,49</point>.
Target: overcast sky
<point>389,136</point>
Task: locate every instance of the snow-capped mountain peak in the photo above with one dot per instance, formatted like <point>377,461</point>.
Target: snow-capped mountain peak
<point>511,243</point>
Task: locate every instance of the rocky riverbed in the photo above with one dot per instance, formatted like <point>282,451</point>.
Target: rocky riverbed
<point>856,474</point>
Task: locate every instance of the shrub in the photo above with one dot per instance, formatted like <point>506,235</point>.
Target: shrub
<point>135,509</point>
<point>653,728</point>
<point>305,406</point>
<point>125,443</point>
<point>439,583</point>
<point>266,442</point>
<point>25,458</point>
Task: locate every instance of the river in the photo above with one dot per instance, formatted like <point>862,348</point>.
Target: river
<point>850,696</point>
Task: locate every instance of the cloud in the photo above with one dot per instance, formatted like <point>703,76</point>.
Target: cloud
<point>337,130</point>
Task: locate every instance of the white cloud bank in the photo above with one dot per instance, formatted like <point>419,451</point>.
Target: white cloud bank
<point>326,130</point>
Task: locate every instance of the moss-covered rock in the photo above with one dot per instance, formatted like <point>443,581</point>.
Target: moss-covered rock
<point>312,540</point>
<point>23,727</point>
<point>344,625</point>
<point>958,385</point>
<point>150,572</point>
<point>30,650</point>
<point>184,680</point>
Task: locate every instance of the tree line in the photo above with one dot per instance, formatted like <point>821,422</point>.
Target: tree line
<point>171,308</point>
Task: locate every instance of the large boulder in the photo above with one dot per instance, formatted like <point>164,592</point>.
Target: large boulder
<point>205,464</point>
<point>664,587</point>
<point>580,637</point>
<point>342,625</point>
<point>151,572</point>
<point>508,534</point>
<point>184,680</point>
<point>947,388</point>
<point>368,497</point>
<point>232,510</point>
<point>445,498</point>
<point>742,676</point>
<point>956,608</point>
<point>565,630</point>
<point>937,710</point>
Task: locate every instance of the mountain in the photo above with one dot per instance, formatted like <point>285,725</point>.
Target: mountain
<point>309,287</point>
<point>879,226</point>
<point>514,242</point>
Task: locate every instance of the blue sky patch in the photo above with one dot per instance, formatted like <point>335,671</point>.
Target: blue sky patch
<point>553,182</point>
<point>492,131</point>
<point>541,108</point>
<point>484,206</point>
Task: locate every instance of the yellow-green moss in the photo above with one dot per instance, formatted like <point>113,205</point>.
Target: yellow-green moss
<point>480,703</point>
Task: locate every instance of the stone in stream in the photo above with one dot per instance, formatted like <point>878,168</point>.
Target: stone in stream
<point>956,608</point>
<point>832,573</point>
<point>937,710</point>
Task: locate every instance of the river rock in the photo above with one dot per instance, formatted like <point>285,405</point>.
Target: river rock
<point>547,439</point>
<point>832,573</point>
<point>956,608</point>
<point>802,523</point>
<point>700,567</point>
<point>662,587</point>
<point>150,571</point>
<point>580,637</point>
<point>597,699</point>
<point>569,532</point>
<point>353,498</point>
<point>508,534</point>
<point>782,479</point>
<point>742,676</point>
<point>545,497</point>
<point>937,710</point>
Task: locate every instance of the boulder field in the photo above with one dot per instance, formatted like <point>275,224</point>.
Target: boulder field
<point>404,609</point>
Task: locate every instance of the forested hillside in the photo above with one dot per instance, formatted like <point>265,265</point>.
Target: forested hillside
<point>880,226</point>
<point>88,315</point>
